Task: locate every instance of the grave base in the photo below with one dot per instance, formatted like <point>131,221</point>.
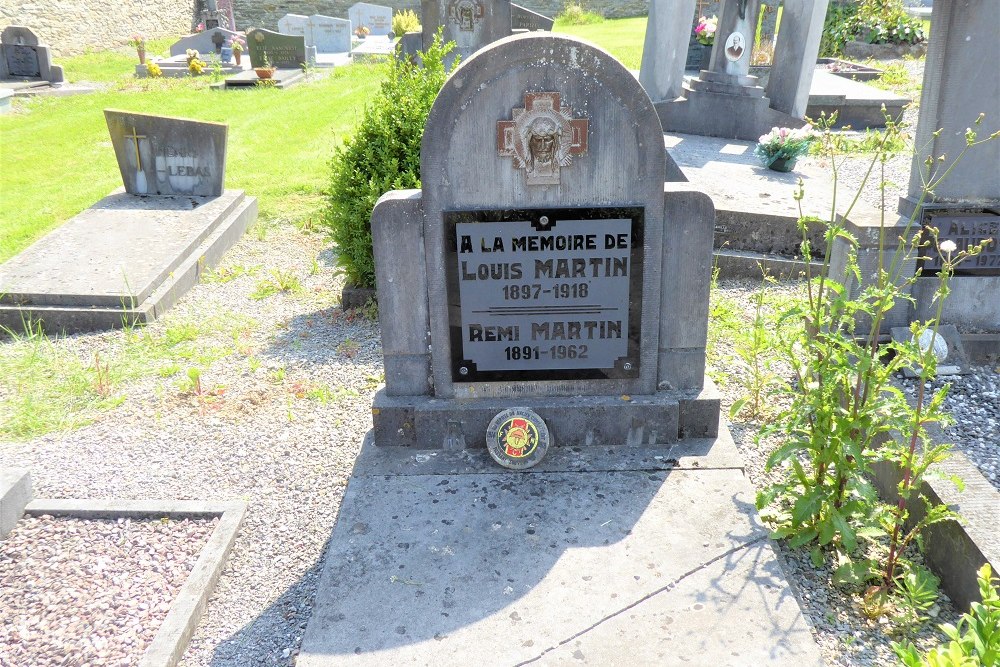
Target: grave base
<point>576,421</point>
<point>749,113</point>
<point>598,556</point>
<point>123,261</point>
<point>282,78</point>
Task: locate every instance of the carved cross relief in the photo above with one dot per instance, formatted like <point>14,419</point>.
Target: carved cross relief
<point>542,138</point>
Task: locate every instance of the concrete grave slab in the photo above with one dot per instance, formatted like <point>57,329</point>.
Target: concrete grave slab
<point>377,18</point>
<point>15,494</point>
<point>175,632</point>
<point>282,78</point>
<point>372,48</point>
<point>160,155</point>
<point>125,259</point>
<point>561,567</point>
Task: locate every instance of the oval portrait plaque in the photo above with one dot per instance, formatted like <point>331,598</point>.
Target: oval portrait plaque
<point>736,46</point>
<point>517,438</point>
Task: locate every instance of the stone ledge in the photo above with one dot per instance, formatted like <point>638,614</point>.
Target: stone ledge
<point>15,494</point>
<point>172,638</point>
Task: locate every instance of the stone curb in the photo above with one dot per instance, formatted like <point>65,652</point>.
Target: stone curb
<point>172,638</point>
<point>955,551</point>
<point>15,493</point>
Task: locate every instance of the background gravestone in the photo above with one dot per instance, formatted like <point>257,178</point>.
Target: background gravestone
<point>294,24</point>
<point>22,57</point>
<point>376,18</point>
<point>555,272</point>
<point>471,24</point>
<point>282,51</point>
<point>525,19</point>
<point>158,155</point>
<point>330,35</point>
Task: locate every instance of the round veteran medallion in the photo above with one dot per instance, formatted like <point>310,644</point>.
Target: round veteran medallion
<point>517,438</point>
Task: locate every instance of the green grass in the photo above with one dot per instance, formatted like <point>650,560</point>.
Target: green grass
<point>56,157</point>
<point>622,38</point>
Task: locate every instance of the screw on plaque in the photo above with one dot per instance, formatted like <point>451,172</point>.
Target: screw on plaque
<point>543,221</point>
<point>463,370</point>
<point>627,366</point>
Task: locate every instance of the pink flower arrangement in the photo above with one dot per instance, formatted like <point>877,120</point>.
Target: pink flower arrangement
<point>704,32</point>
<point>200,27</point>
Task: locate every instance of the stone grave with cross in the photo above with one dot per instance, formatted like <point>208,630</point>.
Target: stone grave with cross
<point>543,305</point>
<point>129,257</point>
<point>207,43</point>
<point>25,62</point>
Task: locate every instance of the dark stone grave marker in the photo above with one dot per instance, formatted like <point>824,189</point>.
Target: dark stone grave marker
<point>22,57</point>
<point>522,18</point>
<point>282,51</point>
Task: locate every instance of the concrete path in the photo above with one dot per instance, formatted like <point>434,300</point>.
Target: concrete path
<point>600,556</point>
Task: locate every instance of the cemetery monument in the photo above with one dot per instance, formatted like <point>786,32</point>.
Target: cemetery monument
<point>471,24</point>
<point>377,18</point>
<point>555,292</point>
<point>724,100</point>
<point>25,61</point>
<point>129,257</point>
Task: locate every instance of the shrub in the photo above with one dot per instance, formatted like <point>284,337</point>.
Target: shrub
<point>382,155</point>
<point>574,14</point>
<point>886,22</point>
<point>838,28</point>
<point>404,22</point>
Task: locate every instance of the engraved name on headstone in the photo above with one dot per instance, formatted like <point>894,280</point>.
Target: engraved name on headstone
<point>376,18</point>
<point>965,231</point>
<point>160,155</point>
<point>330,35</point>
<point>522,18</point>
<point>283,51</point>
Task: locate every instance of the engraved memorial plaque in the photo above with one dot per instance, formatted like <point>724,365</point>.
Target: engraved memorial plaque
<point>22,61</point>
<point>548,294</point>
<point>965,231</point>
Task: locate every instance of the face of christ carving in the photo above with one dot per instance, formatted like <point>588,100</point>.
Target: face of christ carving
<point>542,137</point>
<point>543,143</point>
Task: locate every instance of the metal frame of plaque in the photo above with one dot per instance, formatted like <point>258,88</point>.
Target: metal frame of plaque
<point>574,316</point>
<point>965,229</point>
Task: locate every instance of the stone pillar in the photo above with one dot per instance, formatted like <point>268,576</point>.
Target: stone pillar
<point>961,80</point>
<point>739,18</point>
<point>795,54</point>
<point>668,33</point>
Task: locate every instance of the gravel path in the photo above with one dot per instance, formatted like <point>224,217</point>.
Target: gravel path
<point>90,592</point>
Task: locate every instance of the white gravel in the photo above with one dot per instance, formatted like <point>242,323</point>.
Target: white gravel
<point>90,592</point>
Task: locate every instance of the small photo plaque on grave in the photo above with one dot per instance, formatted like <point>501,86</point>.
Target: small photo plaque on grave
<point>545,294</point>
<point>965,231</point>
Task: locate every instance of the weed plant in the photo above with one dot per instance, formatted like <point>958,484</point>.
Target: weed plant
<point>573,13</point>
<point>843,409</point>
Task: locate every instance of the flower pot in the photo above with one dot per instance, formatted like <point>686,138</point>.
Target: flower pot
<point>237,55</point>
<point>264,72</point>
<point>784,164</point>
<point>226,54</point>
<point>142,55</point>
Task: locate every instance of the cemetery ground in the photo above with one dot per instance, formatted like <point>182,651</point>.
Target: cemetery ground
<point>257,386</point>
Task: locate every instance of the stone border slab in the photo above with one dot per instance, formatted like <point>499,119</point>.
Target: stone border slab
<point>15,494</point>
<point>172,638</point>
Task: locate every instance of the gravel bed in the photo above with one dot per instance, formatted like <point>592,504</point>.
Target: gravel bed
<point>90,592</point>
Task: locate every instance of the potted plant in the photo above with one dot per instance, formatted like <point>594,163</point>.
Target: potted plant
<point>237,44</point>
<point>138,40</point>
<point>265,71</point>
<point>362,31</point>
<point>782,146</point>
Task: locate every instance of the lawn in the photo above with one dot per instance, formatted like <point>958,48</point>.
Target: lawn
<point>622,38</point>
<point>56,157</point>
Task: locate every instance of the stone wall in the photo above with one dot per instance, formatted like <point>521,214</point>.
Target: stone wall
<point>254,13</point>
<point>72,26</point>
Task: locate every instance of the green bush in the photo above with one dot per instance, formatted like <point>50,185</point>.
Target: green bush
<point>404,22</point>
<point>574,14</point>
<point>838,28</point>
<point>382,155</point>
<point>872,21</point>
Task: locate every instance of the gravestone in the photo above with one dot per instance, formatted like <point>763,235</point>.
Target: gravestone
<point>547,265</point>
<point>960,83</point>
<point>543,170</point>
<point>522,18</point>
<point>295,24</point>
<point>24,58</point>
<point>281,51</point>
<point>130,256</point>
<point>329,34</point>
<point>471,24</point>
<point>724,100</point>
<point>376,18</point>
<point>158,155</point>
<point>204,42</point>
